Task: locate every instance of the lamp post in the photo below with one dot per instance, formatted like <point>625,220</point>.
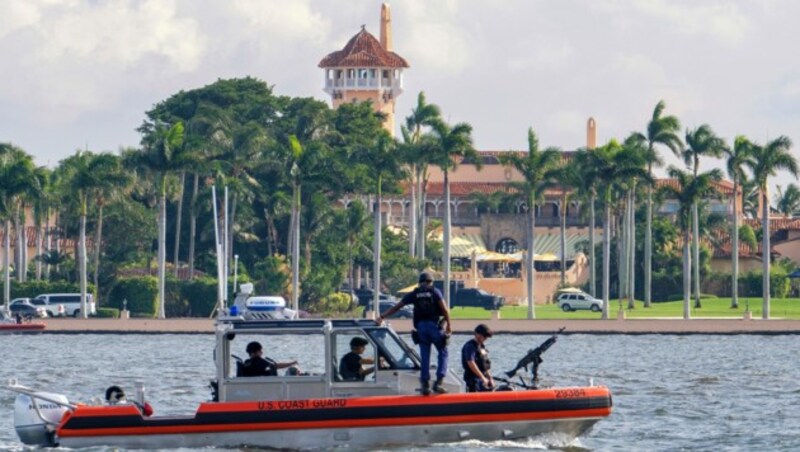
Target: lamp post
<point>235,271</point>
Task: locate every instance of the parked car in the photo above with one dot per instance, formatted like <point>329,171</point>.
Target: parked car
<point>406,312</point>
<point>477,298</point>
<point>365,296</point>
<point>572,301</point>
<point>26,309</point>
<point>66,304</point>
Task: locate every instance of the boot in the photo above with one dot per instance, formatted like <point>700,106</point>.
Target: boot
<point>426,388</point>
<point>438,388</point>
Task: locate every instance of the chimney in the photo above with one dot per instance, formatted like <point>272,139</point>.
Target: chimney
<point>386,27</point>
<point>591,134</point>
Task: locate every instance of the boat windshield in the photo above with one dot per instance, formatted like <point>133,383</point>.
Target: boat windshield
<point>399,355</point>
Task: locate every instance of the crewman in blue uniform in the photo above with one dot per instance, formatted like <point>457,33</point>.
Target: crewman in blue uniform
<point>475,361</point>
<point>430,309</point>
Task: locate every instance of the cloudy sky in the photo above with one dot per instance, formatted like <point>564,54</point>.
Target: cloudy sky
<point>77,73</point>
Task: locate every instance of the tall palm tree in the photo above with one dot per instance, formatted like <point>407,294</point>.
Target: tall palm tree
<point>453,143</point>
<point>586,180</point>
<point>538,168</point>
<point>701,142</point>
<point>160,157</point>
<point>688,192</point>
<point>16,176</point>
<point>296,152</point>
<point>41,213</point>
<point>738,158</point>
<point>767,161</point>
<point>661,130</point>
<point>89,177</point>
<point>423,115</point>
<point>619,165</point>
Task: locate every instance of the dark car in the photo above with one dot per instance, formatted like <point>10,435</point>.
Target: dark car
<point>477,298</point>
<point>26,309</point>
<point>406,312</point>
<point>365,296</point>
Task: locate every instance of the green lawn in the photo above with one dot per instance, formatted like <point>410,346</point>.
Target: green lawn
<point>788,308</point>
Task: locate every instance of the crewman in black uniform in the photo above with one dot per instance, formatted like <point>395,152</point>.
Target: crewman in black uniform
<point>351,366</point>
<point>258,366</point>
<point>429,308</point>
<point>475,360</point>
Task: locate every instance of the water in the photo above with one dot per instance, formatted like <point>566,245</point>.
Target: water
<point>670,392</point>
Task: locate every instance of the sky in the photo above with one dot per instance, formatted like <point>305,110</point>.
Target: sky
<point>78,74</point>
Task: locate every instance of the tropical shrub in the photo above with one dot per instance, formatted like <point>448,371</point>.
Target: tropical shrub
<point>141,294</point>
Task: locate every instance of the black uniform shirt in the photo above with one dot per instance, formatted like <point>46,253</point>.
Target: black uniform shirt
<point>350,367</point>
<point>257,366</point>
<point>426,303</point>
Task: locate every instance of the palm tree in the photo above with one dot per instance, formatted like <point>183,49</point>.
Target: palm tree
<point>738,157</point>
<point>16,176</point>
<point>422,115</point>
<point>296,152</point>
<point>586,180</point>
<point>159,157</point>
<point>356,220</point>
<point>41,213</point>
<point>661,130</point>
<point>788,202</point>
<point>700,142</point>
<point>767,161</point>
<point>619,165</point>
<point>538,168</point>
<point>688,192</point>
<point>452,144</point>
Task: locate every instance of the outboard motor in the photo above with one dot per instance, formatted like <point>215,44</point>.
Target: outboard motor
<point>35,419</point>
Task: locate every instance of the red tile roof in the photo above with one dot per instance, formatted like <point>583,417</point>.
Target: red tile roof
<point>724,187</point>
<point>363,50</point>
<point>776,224</point>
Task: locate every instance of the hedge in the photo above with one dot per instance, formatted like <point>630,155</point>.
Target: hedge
<point>111,313</point>
<point>140,292</point>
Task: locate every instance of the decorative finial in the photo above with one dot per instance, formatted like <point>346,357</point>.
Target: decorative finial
<point>363,27</point>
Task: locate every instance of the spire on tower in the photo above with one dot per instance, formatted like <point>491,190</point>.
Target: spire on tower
<point>591,134</point>
<point>386,27</point>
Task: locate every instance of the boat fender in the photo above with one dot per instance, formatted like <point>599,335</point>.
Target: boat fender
<point>35,420</point>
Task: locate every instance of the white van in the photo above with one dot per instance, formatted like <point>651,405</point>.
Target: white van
<point>64,304</point>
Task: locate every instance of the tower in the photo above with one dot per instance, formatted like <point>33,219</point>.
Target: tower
<point>591,134</point>
<point>367,69</point>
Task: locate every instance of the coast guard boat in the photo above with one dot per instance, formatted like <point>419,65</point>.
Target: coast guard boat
<point>317,409</point>
<point>8,324</point>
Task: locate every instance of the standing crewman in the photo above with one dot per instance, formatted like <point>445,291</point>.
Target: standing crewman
<point>429,309</point>
<point>475,360</point>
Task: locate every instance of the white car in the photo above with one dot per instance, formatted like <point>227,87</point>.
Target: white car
<point>572,301</point>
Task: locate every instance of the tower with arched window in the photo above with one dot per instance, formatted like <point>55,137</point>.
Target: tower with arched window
<point>367,69</point>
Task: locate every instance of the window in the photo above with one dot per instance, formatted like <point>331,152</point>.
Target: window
<point>345,357</point>
<point>392,350</point>
<point>507,246</point>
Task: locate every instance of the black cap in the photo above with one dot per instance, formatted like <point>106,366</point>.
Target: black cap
<point>484,330</point>
<point>358,342</point>
<point>253,347</point>
<point>425,277</point>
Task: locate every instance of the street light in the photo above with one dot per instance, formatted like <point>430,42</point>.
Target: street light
<point>235,271</point>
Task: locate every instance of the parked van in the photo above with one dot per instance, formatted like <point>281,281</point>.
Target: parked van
<point>64,304</point>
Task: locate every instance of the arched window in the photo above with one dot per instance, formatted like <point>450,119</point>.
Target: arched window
<point>507,246</point>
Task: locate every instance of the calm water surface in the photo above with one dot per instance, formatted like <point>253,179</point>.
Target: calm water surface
<point>670,392</point>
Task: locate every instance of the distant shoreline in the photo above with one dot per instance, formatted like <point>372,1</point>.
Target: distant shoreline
<point>635,326</point>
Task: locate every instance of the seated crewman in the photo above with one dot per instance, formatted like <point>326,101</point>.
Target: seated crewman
<point>351,366</point>
<point>258,366</point>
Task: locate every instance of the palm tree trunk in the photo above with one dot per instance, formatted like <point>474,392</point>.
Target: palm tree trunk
<point>622,257</point>
<point>48,244</point>
<point>735,249</point>
<point>593,265</point>
<point>422,229</point>
<point>687,273</point>
<point>446,240</point>
<point>6,266</point>
<point>82,264</point>
<point>98,239</point>
<point>648,245</point>
<point>39,247</point>
<point>696,250</point>
<point>631,249</point>
<point>376,269</point>
<point>606,256</point>
<point>296,249</point>
<point>162,254</point>
<point>412,219</point>
<point>58,238</point>
<point>530,269</point>
<point>178,218</point>
<point>193,224</point>
<point>20,243</point>
<point>766,251</point>
<point>563,212</point>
